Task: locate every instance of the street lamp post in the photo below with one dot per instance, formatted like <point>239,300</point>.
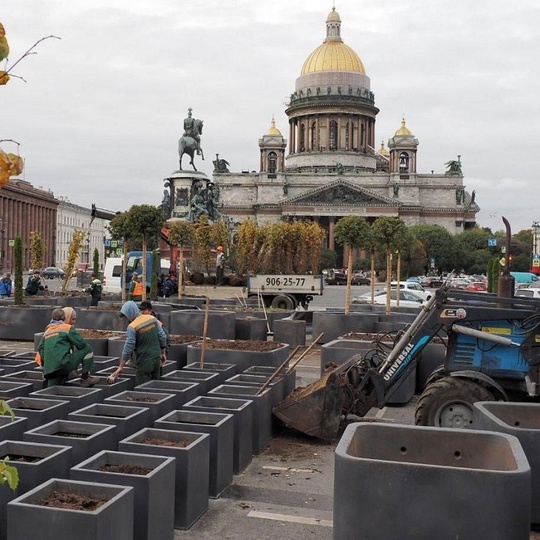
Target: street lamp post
<point>535,267</point>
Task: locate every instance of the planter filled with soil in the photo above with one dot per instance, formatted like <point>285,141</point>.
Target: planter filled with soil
<point>178,350</point>
<point>35,463</point>
<point>206,379</point>
<point>182,390</point>
<point>469,484</point>
<point>84,438</point>
<point>12,428</point>
<point>127,419</point>
<point>334,324</point>
<point>191,451</point>
<point>289,377</point>
<point>240,353</point>
<point>221,324</point>
<point>151,477</point>
<point>242,412</point>
<point>63,509</point>
<point>223,370</point>
<point>104,317</point>
<point>35,378</point>
<point>13,389</point>
<point>157,403</point>
<point>39,411</point>
<point>20,322</point>
<point>220,427</point>
<point>271,315</point>
<point>77,396</point>
<point>262,412</point>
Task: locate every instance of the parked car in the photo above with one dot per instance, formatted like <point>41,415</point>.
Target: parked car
<point>531,292</point>
<point>359,279</point>
<point>406,299</point>
<point>335,277</point>
<point>477,286</point>
<point>52,272</point>
<point>412,286</point>
<point>431,281</point>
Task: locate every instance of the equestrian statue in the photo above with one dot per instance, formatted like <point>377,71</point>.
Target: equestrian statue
<point>190,142</point>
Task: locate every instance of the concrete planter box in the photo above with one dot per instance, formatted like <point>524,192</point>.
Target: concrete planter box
<point>224,371</point>
<point>101,319</point>
<point>178,350</point>
<point>100,345</point>
<point>206,379</point>
<point>277,386</point>
<point>153,516</point>
<point>251,328</point>
<point>220,427</point>
<point>12,429</point>
<point>77,396</point>
<point>13,389</point>
<point>114,519</point>
<point>157,403</point>
<point>397,481</point>
<point>121,384</point>
<point>87,438</point>
<point>39,411</point>
<point>191,474</point>
<point>35,378</point>
<point>115,346</point>
<point>291,332</point>
<point>221,324</point>
<point>262,415</point>
<point>241,358</point>
<point>127,420</point>
<point>522,420</point>
<point>20,322</point>
<point>128,374</point>
<point>43,461</point>
<point>339,351</point>
<point>242,412</point>
<point>104,362</point>
<point>183,391</point>
<point>288,377</point>
<point>334,324</point>
<point>11,365</point>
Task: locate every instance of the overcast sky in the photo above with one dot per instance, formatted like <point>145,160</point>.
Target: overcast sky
<point>99,117</point>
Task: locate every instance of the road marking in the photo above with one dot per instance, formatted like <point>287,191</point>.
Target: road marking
<point>290,519</point>
<point>289,469</point>
<point>380,414</point>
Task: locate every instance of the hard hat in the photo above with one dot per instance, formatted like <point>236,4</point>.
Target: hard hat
<point>220,248</point>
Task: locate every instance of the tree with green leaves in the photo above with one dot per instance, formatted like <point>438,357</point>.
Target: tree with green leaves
<point>18,260</point>
<point>95,262</point>
<point>120,229</point>
<point>182,234</point>
<point>37,250</point>
<point>439,245</point>
<point>156,263</point>
<point>353,232</point>
<point>74,252</point>
<point>389,234</point>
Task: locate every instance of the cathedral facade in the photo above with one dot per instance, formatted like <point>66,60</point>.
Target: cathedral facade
<point>331,167</point>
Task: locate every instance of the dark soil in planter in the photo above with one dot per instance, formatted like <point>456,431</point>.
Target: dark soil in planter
<point>178,340</point>
<point>71,501</point>
<point>98,334</point>
<point>113,307</point>
<point>125,469</point>
<point>242,345</point>
<point>70,434</point>
<point>20,458</point>
<point>165,442</point>
<point>142,399</point>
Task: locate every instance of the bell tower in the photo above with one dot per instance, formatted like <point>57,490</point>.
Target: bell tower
<point>272,147</point>
<point>403,147</point>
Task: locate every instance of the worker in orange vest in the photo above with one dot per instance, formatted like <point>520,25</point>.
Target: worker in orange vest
<point>136,288</point>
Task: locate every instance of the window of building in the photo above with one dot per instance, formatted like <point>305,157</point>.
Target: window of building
<point>333,135</point>
<point>272,163</point>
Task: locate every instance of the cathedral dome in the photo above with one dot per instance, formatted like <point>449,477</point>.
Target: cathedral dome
<point>403,131</point>
<point>273,130</point>
<point>333,54</point>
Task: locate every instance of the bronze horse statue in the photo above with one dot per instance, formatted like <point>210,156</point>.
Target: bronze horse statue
<point>189,145</point>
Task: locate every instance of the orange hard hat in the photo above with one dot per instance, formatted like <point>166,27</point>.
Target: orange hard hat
<point>220,248</point>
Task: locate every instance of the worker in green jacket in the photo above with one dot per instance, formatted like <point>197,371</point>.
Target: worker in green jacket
<point>95,290</point>
<point>61,350</point>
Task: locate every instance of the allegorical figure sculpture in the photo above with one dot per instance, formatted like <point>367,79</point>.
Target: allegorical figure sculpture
<point>453,167</point>
<point>190,142</point>
<point>221,165</point>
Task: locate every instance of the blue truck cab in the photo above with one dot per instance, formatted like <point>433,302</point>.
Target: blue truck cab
<point>135,263</point>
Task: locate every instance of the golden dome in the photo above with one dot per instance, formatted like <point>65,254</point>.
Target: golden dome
<point>383,151</point>
<point>273,131</point>
<point>333,54</point>
<point>404,131</point>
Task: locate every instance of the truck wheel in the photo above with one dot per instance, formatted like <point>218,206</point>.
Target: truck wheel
<point>448,402</point>
<point>283,302</point>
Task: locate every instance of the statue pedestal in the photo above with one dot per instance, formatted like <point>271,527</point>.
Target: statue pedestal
<point>181,185</point>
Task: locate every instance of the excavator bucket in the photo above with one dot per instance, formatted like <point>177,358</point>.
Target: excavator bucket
<point>316,409</point>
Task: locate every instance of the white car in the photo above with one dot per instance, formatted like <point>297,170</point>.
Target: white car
<point>528,292</point>
<point>412,286</point>
<point>406,299</point>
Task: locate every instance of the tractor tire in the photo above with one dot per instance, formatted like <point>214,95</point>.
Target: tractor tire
<point>283,302</point>
<point>448,403</point>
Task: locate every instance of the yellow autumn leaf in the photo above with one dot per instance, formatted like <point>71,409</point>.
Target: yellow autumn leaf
<point>4,178</point>
<point>4,48</point>
<point>5,162</point>
<point>2,31</point>
<point>4,78</point>
<point>17,164</point>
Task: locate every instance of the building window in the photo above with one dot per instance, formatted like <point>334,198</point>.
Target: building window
<point>302,137</point>
<point>272,163</point>
<point>333,135</point>
<point>313,131</point>
<point>403,162</point>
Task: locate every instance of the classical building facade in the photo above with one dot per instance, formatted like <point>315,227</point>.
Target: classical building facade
<point>331,168</point>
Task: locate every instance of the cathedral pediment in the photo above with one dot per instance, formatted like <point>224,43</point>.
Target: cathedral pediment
<point>341,193</point>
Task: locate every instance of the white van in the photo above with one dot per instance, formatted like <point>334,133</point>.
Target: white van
<point>112,274</point>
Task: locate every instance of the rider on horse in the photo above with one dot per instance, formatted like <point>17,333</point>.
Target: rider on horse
<point>191,130</point>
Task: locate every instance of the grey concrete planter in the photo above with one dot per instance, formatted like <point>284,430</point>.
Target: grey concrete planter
<point>12,429</point>
<point>424,482</point>
<point>42,462</point>
<point>13,389</point>
<point>153,517</point>
<point>157,403</point>
<point>178,350</point>
<point>104,362</point>
<point>20,322</point>
<point>241,358</point>
<point>11,365</point>
<point>289,377</point>
<point>77,396</point>
<point>35,378</point>
<point>114,519</point>
<point>127,420</point>
<point>86,439</point>
<point>128,374</point>
<point>277,386</point>
<point>251,328</point>
<point>39,411</point>
<point>221,324</point>
<point>262,415</point>
<point>242,412</point>
<point>100,345</point>
<point>334,324</point>
<point>182,390</point>
<point>339,351</point>
<point>224,371</point>
<point>191,474</point>
<point>522,420</point>
<point>121,384</point>
<point>220,427</point>
<point>101,319</point>
<point>115,346</point>
<point>206,379</point>
<point>291,332</point>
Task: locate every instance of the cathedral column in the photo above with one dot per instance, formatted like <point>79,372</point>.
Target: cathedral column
<point>291,139</point>
<point>331,226</point>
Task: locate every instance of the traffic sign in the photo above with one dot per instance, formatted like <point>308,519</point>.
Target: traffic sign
<point>11,243</point>
<point>492,242</point>
<point>502,262</point>
<point>536,262</point>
